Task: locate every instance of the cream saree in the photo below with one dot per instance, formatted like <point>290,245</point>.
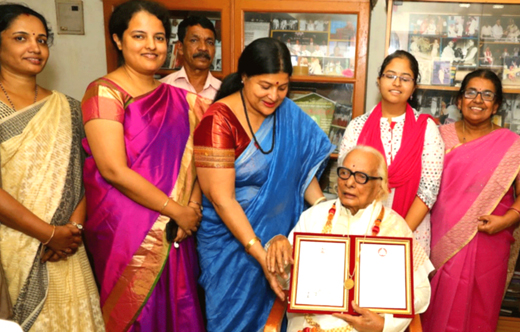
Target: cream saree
<point>41,164</point>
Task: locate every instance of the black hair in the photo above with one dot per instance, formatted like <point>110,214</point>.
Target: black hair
<point>414,66</point>
<point>488,75</point>
<point>262,56</point>
<point>10,11</point>
<point>123,14</point>
<point>192,21</point>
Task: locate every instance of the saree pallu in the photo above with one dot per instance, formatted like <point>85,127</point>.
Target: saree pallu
<point>41,163</point>
<point>146,284</point>
<point>270,190</point>
<point>471,266</point>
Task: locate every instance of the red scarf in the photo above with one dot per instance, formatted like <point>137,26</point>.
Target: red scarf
<point>404,174</point>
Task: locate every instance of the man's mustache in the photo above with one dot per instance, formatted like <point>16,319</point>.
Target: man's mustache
<point>202,54</point>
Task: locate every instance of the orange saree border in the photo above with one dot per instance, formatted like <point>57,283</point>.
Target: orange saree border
<point>129,296</point>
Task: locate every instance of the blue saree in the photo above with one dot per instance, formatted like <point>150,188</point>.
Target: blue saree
<point>270,190</point>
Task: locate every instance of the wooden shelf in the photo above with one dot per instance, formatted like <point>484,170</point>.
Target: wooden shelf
<point>456,88</point>
<point>508,324</point>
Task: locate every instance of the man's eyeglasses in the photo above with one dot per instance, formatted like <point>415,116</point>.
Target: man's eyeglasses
<point>360,177</point>
<point>486,94</point>
<point>393,77</point>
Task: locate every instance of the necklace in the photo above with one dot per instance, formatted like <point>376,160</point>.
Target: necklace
<point>349,283</point>
<point>464,130</point>
<point>11,102</point>
<point>251,128</point>
<point>327,229</point>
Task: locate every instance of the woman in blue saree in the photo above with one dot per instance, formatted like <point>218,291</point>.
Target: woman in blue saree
<point>257,156</point>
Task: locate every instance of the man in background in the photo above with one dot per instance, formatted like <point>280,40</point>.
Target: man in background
<point>197,37</point>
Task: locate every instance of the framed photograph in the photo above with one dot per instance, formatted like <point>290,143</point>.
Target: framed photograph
<point>319,108</point>
<point>424,48</point>
<point>303,43</point>
<point>321,266</point>
<point>426,24</point>
<point>344,30</point>
<point>471,26</point>
<point>441,73</point>
<point>425,69</point>
<point>455,26</point>
<point>331,270</point>
<point>391,258</point>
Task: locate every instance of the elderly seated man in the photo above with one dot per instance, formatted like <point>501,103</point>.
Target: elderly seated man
<point>362,185</point>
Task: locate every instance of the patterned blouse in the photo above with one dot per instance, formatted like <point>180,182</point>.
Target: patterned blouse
<point>432,161</point>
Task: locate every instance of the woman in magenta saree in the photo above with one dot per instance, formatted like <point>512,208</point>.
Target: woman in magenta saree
<point>475,214</point>
<point>139,176</point>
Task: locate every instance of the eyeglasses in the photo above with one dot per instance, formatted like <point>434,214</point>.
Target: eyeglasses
<point>360,177</point>
<point>486,94</point>
<point>393,77</point>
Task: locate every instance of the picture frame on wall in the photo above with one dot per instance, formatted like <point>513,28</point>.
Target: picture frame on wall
<point>425,69</point>
<point>441,73</point>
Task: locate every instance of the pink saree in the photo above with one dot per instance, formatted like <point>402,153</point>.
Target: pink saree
<point>471,267</point>
<point>145,283</point>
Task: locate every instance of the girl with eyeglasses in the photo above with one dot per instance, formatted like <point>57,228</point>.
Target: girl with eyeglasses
<point>476,212</point>
<point>410,142</point>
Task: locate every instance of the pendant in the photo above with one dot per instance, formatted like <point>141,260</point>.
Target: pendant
<point>349,284</point>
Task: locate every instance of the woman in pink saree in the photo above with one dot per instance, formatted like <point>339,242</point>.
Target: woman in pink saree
<point>475,214</point>
<point>140,180</point>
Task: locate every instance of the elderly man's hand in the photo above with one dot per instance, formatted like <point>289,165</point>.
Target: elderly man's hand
<point>279,255</point>
<point>368,321</point>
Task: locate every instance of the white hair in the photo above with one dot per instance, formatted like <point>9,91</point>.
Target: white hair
<point>382,170</point>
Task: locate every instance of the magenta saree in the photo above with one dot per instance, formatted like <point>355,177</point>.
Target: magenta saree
<point>471,266</point>
<point>146,284</point>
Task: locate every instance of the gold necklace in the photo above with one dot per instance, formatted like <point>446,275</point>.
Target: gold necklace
<point>11,102</point>
<point>464,130</point>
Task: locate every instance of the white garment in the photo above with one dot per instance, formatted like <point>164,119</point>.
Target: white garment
<point>487,31</point>
<point>313,220</point>
<point>448,53</point>
<point>498,31</point>
<point>432,162</point>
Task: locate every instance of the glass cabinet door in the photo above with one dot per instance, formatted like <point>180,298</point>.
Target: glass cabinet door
<point>320,44</point>
<point>173,60</point>
<point>450,40</point>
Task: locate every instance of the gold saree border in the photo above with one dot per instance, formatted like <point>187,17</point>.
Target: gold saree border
<point>138,280</point>
<point>466,229</point>
<point>209,157</point>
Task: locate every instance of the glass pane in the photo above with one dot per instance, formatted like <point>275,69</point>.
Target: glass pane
<point>442,105</point>
<point>320,44</point>
<point>173,61</point>
<point>452,39</point>
<point>330,105</point>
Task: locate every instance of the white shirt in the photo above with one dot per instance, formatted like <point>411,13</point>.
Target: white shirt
<point>313,220</point>
<point>498,31</point>
<point>432,162</point>
<point>180,79</point>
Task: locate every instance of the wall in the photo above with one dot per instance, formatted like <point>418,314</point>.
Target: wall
<point>376,52</point>
<point>75,60</point>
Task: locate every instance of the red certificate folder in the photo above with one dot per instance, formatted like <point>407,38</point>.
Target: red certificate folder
<point>332,270</point>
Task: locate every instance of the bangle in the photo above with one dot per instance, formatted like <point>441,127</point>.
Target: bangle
<point>319,200</point>
<point>164,206</point>
<point>514,209</point>
<point>252,242</point>
<point>52,235</point>
<point>200,205</point>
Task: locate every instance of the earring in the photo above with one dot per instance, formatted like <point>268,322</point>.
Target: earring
<point>411,97</point>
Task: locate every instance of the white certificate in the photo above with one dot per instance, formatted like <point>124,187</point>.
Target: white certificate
<point>319,273</point>
<point>385,275</point>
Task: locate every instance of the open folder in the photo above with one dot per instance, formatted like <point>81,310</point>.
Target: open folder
<point>331,270</point>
